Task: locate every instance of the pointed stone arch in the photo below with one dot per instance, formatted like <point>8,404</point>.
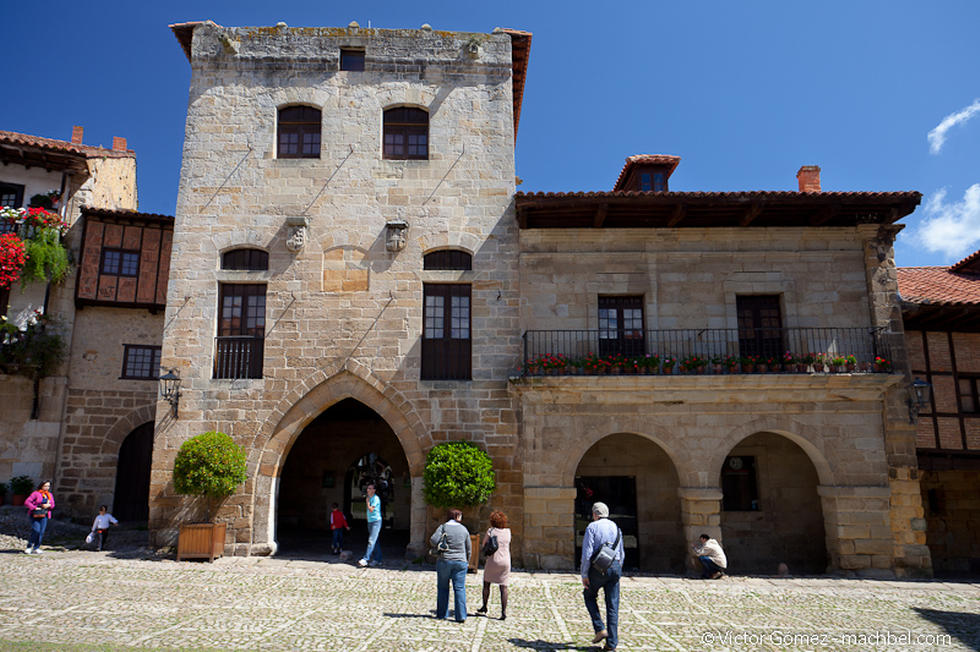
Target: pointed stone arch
<point>300,408</point>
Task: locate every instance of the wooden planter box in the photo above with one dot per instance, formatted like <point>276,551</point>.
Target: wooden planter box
<point>201,541</point>
<point>474,562</point>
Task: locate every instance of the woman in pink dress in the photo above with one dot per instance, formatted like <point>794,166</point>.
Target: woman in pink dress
<point>497,569</point>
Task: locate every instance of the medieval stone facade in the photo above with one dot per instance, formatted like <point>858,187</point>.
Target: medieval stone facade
<point>355,280</point>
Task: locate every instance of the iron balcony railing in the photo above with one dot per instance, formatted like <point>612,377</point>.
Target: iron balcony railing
<point>706,350</point>
<point>238,356</point>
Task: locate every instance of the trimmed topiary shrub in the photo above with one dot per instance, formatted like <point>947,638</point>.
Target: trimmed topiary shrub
<point>457,474</point>
<point>210,465</point>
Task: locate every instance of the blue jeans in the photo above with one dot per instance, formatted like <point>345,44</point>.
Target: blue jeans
<point>338,538</point>
<point>373,549</point>
<point>38,525</point>
<point>609,583</point>
<point>710,567</point>
<point>454,570</point>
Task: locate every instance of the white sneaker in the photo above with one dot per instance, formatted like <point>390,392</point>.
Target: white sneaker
<point>362,563</point>
<point>29,550</point>
<point>38,551</point>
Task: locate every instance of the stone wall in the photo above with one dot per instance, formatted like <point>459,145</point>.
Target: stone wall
<point>344,313</point>
<point>952,498</point>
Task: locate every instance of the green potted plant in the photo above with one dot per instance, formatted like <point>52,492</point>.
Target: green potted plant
<point>647,364</point>
<point>210,465</point>
<point>731,363</point>
<point>668,364</point>
<point>459,474</point>
<point>850,362</point>
<point>838,363</point>
<point>882,364</point>
<point>694,364</point>
<point>21,487</point>
<point>748,363</point>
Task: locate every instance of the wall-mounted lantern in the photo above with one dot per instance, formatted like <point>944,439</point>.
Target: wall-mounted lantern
<point>920,394</point>
<point>170,390</point>
<point>395,236</point>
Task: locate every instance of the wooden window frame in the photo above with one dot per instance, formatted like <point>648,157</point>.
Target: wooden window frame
<point>396,122</point>
<point>17,189</point>
<point>972,393</point>
<point>757,334</point>
<point>448,259</point>
<point>446,357</point>
<point>288,125</point>
<point>352,59</point>
<point>741,496</point>
<point>154,370</point>
<point>239,347</point>
<point>119,268</point>
<point>245,259</point>
<point>629,341</point>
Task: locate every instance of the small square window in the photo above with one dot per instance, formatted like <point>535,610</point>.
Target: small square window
<point>120,263</point>
<point>141,362</point>
<point>351,59</point>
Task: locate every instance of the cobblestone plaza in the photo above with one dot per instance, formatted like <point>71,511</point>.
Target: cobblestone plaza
<point>77,600</point>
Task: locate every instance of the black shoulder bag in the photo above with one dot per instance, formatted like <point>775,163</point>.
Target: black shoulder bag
<point>490,545</point>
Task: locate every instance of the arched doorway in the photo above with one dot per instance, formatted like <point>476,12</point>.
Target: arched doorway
<point>771,511</point>
<point>639,483</point>
<point>331,461</point>
<point>132,494</point>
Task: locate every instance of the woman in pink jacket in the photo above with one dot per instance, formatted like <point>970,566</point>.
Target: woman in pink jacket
<point>39,505</point>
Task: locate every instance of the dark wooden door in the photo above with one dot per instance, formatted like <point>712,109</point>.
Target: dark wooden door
<point>621,326</point>
<point>619,494</point>
<point>132,495</point>
<point>760,325</point>
<point>446,337</point>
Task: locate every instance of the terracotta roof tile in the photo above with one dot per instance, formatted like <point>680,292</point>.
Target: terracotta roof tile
<point>938,285</point>
<point>60,146</point>
<point>741,194</point>
<point>970,264</point>
<point>648,159</point>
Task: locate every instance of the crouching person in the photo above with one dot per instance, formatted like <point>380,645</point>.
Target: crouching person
<point>712,557</point>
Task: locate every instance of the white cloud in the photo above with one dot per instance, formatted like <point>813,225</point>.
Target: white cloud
<point>952,228</point>
<point>937,137</point>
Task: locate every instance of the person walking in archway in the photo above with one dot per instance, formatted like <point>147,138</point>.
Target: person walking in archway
<point>373,553</point>
<point>602,566</point>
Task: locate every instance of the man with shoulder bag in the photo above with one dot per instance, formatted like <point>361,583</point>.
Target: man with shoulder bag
<point>602,566</point>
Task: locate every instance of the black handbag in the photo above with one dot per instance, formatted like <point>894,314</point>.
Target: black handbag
<point>491,545</point>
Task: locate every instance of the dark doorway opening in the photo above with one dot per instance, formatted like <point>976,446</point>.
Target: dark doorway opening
<point>331,461</point>
<point>132,495</point>
<point>619,494</point>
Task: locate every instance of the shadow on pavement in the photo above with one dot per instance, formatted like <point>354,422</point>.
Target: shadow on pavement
<point>964,627</point>
<point>549,645</point>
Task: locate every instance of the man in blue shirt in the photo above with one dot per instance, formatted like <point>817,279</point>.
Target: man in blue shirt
<point>373,554</point>
<point>601,530</point>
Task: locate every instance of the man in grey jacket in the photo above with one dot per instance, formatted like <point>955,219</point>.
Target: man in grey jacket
<point>452,565</point>
<point>601,530</point>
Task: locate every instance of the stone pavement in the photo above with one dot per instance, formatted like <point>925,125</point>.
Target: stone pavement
<point>83,600</point>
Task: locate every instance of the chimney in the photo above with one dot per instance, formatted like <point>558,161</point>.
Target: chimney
<point>119,145</point>
<point>809,178</point>
<point>76,134</point>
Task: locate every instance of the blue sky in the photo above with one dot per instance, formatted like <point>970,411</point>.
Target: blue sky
<point>745,92</point>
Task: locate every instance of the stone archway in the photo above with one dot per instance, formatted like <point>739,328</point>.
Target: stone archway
<point>771,511</point>
<point>637,479</point>
<point>394,409</point>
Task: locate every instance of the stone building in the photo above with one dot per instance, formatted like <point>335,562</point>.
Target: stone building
<point>74,426</point>
<point>354,279</point>
<point>941,307</point>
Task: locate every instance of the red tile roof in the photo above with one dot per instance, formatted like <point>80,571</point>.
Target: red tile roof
<point>60,146</point>
<point>938,285</point>
<point>970,264</point>
<point>646,159</point>
<point>735,195</point>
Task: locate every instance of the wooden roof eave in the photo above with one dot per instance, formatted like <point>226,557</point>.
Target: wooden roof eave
<point>959,317</point>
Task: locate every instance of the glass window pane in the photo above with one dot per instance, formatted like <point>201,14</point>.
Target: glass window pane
<point>461,318</point>
<point>645,181</point>
<point>607,323</point>
<point>434,317</point>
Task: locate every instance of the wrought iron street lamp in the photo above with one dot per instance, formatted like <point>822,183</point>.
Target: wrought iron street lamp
<point>170,390</point>
<point>920,393</point>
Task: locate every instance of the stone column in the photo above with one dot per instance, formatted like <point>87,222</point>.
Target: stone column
<point>549,527</point>
<point>700,514</point>
<point>858,529</point>
<point>417,544</point>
